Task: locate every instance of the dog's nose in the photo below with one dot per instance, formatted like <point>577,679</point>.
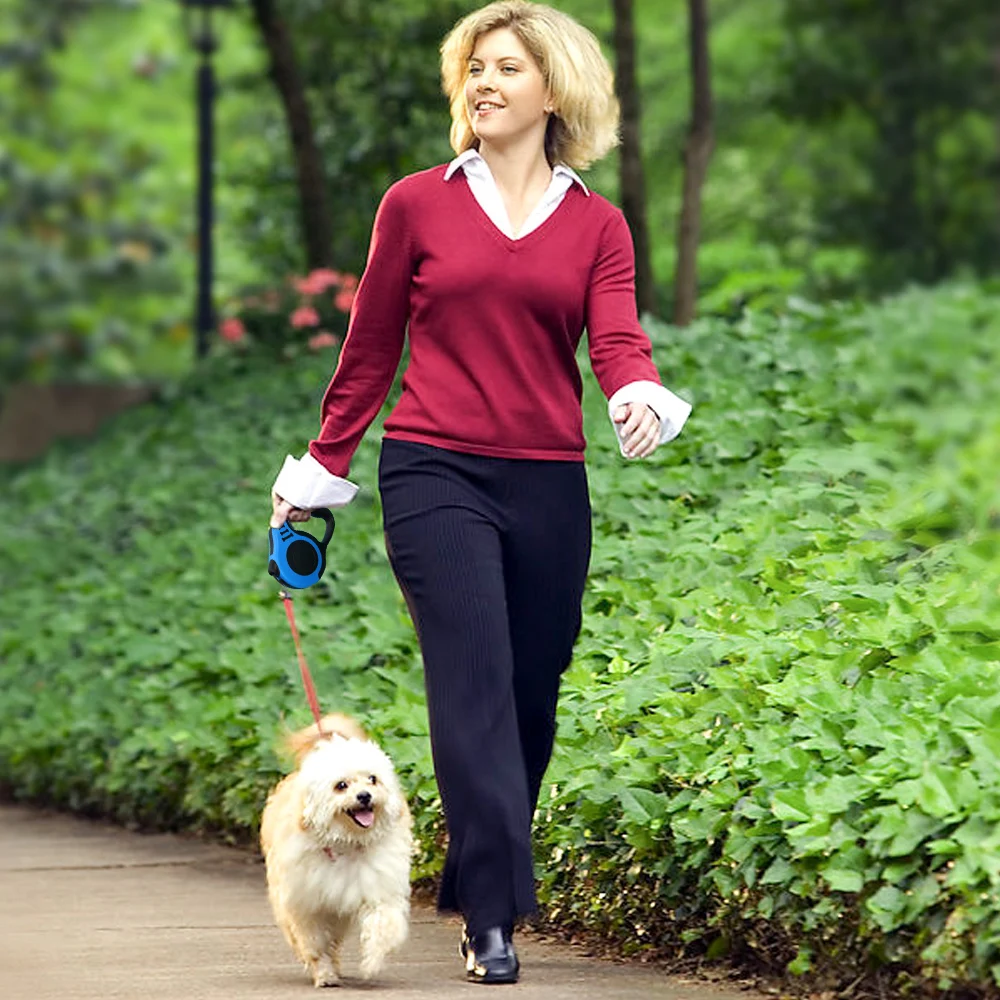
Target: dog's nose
<point>365,798</point>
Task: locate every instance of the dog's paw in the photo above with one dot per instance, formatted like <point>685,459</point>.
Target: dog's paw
<point>325,974</point>
<point>383,930</point>
<point>371,966</point>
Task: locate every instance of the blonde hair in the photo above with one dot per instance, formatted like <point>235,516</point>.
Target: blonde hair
<point>584,124</point>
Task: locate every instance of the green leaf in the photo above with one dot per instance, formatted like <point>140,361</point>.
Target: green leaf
<point>887,907</point>
<point>843,880</point>
<point>790,804</point>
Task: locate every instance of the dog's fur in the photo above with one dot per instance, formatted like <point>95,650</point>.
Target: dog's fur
<point>326,872</point>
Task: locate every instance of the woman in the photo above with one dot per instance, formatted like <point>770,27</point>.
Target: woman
<point>496,262</point>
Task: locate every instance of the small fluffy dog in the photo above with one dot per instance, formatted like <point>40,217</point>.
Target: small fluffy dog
<point>337,842</point>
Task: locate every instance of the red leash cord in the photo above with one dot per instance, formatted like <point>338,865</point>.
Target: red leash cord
<point>307,681</point>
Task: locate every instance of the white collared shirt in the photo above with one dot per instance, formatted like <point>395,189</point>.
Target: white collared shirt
<point>484,187</point>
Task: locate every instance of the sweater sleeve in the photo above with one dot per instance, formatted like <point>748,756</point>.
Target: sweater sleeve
<point>373,346</point>
<point>620,350</point>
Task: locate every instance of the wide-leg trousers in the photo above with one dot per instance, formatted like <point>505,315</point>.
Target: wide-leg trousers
<point>491,555</point>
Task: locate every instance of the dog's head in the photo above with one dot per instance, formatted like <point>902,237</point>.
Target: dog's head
<point>350,791</point>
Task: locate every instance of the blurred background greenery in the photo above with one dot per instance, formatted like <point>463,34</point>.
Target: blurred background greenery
<point>778,740</point>
<point>856,150</point>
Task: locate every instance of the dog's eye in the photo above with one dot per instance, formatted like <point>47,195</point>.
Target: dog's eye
<point>340,786</point>
<point>372,780</point>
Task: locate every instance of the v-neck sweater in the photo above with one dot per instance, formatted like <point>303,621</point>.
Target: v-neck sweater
<point>493,323</point>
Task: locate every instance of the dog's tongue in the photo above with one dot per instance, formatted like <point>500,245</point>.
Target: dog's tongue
<point>364,817</point>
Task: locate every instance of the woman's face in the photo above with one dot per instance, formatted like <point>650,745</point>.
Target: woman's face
<point>505,91</point>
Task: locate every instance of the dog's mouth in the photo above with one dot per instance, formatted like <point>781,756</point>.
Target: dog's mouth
<point>363,816</point>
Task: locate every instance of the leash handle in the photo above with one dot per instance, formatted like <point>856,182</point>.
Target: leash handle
<point>324,513</point>
<point>307,681</point>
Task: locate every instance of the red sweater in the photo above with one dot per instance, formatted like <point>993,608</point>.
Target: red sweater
<point>494,324</point>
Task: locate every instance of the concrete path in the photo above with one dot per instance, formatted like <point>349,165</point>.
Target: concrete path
<point>89,911</point>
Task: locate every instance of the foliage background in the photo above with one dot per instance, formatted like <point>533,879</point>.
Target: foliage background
<point>779,735</point>
<point>811,189</point>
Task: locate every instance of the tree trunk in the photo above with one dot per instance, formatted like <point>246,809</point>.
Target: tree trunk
<point>631,174</point>
<point>317,225</point>
<point>996,90</point>
<point>697,152</point>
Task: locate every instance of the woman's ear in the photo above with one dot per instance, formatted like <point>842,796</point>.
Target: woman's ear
<point>550,102</point>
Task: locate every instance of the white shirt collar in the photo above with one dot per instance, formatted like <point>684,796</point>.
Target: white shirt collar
<point>471,160</point>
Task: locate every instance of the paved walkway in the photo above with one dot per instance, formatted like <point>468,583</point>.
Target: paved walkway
<point>89,911</point>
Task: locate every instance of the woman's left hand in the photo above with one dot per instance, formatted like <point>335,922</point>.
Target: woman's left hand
<point>641,433</point>
<point>282,510</point>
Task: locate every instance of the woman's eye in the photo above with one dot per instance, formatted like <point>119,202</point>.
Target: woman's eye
<point>474,71</point>
<point>511,69</point>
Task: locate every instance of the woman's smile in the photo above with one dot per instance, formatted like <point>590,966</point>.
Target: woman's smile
<point>485,109</point>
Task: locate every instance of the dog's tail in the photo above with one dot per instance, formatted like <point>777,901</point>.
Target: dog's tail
<point>299,743</point>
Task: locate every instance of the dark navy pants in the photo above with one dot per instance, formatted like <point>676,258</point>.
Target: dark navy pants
<point>491,555</point>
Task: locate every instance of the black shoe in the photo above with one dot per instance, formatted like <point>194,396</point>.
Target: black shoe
<point>490,956</point>
<point>463,945</point>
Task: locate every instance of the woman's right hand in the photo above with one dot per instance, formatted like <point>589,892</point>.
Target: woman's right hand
<point>283,511</point>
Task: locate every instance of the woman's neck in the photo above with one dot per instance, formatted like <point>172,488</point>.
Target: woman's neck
<point>517,171</point>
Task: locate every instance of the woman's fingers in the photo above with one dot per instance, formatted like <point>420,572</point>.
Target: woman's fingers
<point>283,511</point>
<point>280,510</point>
<point>640,433</point>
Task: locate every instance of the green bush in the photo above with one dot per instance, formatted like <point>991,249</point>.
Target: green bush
<point>786,687</point>
<point>779,733</point>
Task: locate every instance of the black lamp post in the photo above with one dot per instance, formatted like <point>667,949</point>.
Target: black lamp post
<point>198,28</point>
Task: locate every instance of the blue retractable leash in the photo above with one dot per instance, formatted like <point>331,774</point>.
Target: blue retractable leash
<point>297,559</point>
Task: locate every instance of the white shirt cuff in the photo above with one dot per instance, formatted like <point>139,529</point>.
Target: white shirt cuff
<point>670,408</point>
<point>304,483</point>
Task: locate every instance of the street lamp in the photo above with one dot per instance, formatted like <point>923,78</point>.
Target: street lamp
<point>198,28</point>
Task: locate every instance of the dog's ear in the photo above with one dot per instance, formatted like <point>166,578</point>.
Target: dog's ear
<point>343,725</point>
<point>309,817</point>
<point>304,821</point>
<point>397,806</point>
<point>299,743</point>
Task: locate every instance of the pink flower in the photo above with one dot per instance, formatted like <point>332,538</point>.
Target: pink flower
<point>328,277</point>
<point>323,339</point>
<point>232,329</point>
<point>348,282</point>
<point>317,282</point>
<point>304,316</point>
<point>343,300</point>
